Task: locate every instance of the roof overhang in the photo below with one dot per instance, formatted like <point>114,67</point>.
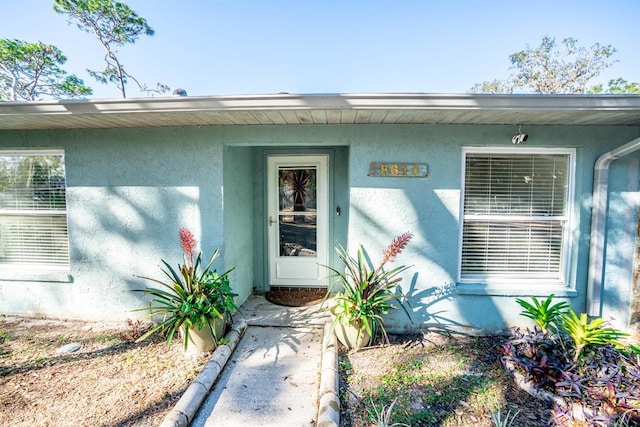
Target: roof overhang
<point>289,109</point>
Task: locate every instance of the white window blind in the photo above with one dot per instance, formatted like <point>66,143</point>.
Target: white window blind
<point>33,212</point>
<point>515,214</point>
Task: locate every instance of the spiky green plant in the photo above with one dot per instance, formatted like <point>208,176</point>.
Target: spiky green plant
<point>383,416</point>
<point>584,332</point>
<point>543,313</point>
<point>189,296</point>
<point>498,420</point>
<point>367,292</point>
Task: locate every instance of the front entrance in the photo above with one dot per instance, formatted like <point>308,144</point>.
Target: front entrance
<point>297,220</point>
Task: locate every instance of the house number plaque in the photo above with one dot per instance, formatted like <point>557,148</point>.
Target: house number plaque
<point>399,170</point>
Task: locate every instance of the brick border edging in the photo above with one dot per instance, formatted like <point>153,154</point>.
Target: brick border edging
<point>185,410</point>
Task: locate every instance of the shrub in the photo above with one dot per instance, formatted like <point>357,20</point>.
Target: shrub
<point>543,313</point>
<point>579,360</point>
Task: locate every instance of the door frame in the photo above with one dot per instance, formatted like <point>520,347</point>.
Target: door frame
<point>273,162</point>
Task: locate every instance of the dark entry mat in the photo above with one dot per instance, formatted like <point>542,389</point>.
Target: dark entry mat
<point>295,297</point>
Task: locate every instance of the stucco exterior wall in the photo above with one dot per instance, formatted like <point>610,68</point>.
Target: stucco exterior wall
<point>129,191</point>
<point>128,194</point>
<point>238,243</point>
<point>622,226</point>
<point>382,208</point>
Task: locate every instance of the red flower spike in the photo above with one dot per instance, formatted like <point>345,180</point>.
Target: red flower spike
<point>395,247</point>
<point>188,242</point>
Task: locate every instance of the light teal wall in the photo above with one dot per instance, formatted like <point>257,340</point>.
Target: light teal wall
<point>622,226</point>
<point>262,140</point>
<point>382,208</point>
<point>130,191</point>
<point>338,225</point>
<point>239,234</point>
<point>128,194</point>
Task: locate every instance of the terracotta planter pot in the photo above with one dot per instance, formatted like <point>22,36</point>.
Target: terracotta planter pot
<point>200,340</point>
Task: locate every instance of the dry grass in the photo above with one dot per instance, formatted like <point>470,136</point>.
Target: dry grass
<point>109,381</point>
<point>434,381</point>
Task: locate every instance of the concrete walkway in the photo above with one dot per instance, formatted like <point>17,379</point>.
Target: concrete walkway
<point>281,373</point>
<point>257,311</point>
<point>272,378</point>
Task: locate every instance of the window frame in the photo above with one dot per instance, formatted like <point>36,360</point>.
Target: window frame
<point>482,284</point>
<point>39,271</point>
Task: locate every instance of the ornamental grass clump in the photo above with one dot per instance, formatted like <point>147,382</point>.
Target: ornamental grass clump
<point>579,361</point>
<point>189,296</point>
<point>366,293</point>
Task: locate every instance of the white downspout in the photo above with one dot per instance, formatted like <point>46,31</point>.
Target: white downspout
<point>599,223</point>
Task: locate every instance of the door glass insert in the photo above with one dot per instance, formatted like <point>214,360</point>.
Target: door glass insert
<point>297,211</point>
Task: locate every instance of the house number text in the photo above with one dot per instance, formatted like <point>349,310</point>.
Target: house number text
<point>400,170</point>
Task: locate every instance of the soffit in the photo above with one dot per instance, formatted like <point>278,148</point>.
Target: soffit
<point>288,109</point>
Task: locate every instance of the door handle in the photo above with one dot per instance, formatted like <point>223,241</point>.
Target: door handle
<point>271,221</point>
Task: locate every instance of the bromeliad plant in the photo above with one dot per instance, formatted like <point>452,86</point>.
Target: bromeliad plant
<point>366,292</point>
<point>544,314</point>
<point>579,360</point>
<point>189,297</point>
<point>595,332</point>
<point>564,322</point>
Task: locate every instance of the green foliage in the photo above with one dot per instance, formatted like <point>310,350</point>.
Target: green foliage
<point>382,417</point>
<point>114,24</point>
<point>595,332</point>
<point>114,20</point>
<point>617,86</point>
<point>367,292</point>
<point>498,420</point>
<point>582,360</point>
<point>26,180</point>
<point>189,298</point>
<point>431,386</point>
<point>565,321</point>
<point>543,313</point>
<point>493,87</point>
<point>31,71</point>
<point>550,68</point>
<point>604,379</point>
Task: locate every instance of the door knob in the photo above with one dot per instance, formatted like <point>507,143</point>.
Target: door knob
<point>270,221</point>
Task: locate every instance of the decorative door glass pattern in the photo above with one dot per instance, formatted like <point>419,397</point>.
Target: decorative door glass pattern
<point>297,211</point>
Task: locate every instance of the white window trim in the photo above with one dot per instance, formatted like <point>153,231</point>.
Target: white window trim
<point>521,286</point>
<point>48,273</point>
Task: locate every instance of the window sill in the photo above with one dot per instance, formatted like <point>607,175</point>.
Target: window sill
<point>40,276</point>
<point>533,289</point>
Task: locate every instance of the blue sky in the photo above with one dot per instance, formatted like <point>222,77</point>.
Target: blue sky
<point>230,47</point>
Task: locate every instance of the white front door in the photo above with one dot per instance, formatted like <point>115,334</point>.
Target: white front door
<point>297,219</point>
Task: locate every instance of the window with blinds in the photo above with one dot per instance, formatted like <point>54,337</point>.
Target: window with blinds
<point>515,215</point>
<point>33,211</point>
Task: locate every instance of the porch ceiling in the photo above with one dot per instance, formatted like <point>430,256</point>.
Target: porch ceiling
<point>288,109</point>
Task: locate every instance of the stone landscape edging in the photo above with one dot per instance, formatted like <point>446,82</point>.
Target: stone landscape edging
<point>186,408</point>
<point>328,399</point>
<point>577,410</point>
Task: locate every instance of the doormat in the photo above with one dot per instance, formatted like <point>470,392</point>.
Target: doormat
<point>295,297</point>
